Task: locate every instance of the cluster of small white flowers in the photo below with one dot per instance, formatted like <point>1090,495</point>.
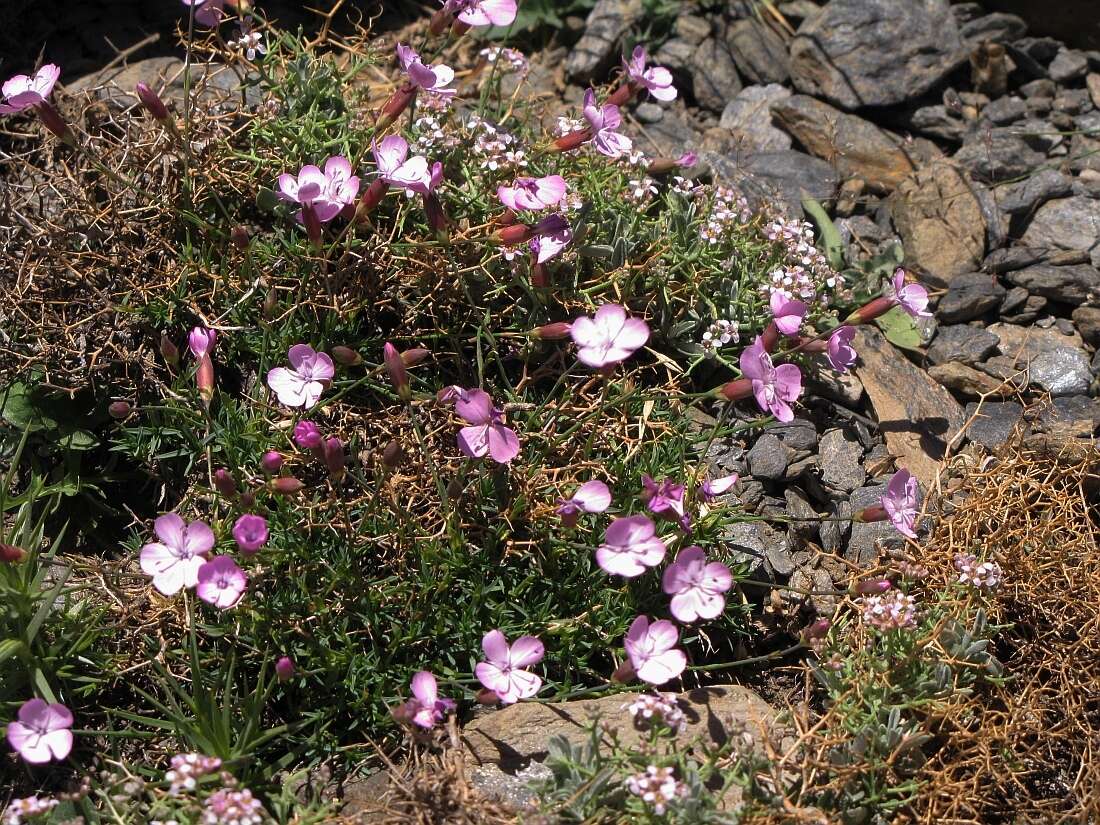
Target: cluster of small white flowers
<point>661,705</point>
<point>642,190</point>
<point>890,610</point>
<point>685,186</point>
<point>987,574</point>
<point>514,61</point>
<point>657,787</point>
<point>572,203</point>
<point>30,806</point>
<point>568,125</point>
<point>187,768</point>
<point>718,334</point>
<point>226,807</point>
<point>806,273</point>
<point>251,43</point>
<point>496,148</point>
<point>431,136</point>
<point>635,157</point>
<point>728,210</point>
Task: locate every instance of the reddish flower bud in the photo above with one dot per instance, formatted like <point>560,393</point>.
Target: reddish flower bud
<point>540,275</point>
<point>285,485</point>
<point>557,331</point>
<point>876,512</point>
<point>52,120</point>
<point>284,668</point>
<point>372,196</point>
<point>169,351</point>
<point>414,355</point>
<point>870,586</point>
<point>393,455</point>
<point>770,337</point>
<point>224,483</point>
<point>10,554</point>
<point>621,95</point>
<point>437,218</point>
<point>817,630</point>
<point>513,234</point>
<point>271,462</point>
<point>119,410</point>
<point>248,500</point>
<point>871,310</point>
<point>346,356</point>
<point>396,368</point>
<point>736,390</point>
<point>658,166</point>
<point>812,345</point>
<point>624,673</point>
<point>569,142</point>
<point>204,379</point>
<point>151,101</point>
<point>505,218</point>
<point>391,110</point>
<point>333,454</point>
<point>239,236</point>
<point>458,28</point>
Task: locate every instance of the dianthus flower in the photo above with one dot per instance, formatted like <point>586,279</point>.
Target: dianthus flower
<point>591,497</point>
<point>839,349</point>
<point>630,546</point>
<point>307,435</point>
<point>902,501</point>
<point>775,387</point>
<point>41,732</point>
<point>889,611</point>
<point>657,80</point>
<point>552,235</point>
<point>608,337</point>
<point>23,92</point>
<point>187,769</point>
<point>714,487</point>
<point>250,532</point>
<point>504,672</point>
<point>425,709</point>
<point>653,652</point>
<point>221,582</point>
<point>533,193</point>
<point>487,434</point>
<point>432,79</point>
<point>174,561</point>
<point>309,374</point>
<point>657,787</point>
<point>787,313</point>
<point>657,707</point>
<point>207,12</point>
<point>696,587</point>
<point>324,194</point>
<point>665,499</point>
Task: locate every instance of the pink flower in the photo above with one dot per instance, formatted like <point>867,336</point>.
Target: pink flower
<point>343,186</point>
<point>630,545</point>
<point>271,462</point>
<point>174,561</point>
<point>695,586</point>
<point>488,13</point>
<point>425,708</point>
<point>666,498</point>
<point>307,435</point>
<point>221,582</point>
<point>553,234</point>
<point>207,12</point>
<point>250,533</point>
<point>609,337</point>
<point>201,341</point>
<point>787,312</point>
<point>325,193</point>
<point>913,298</point>
<point>604,120</point>
<point>41,732</point>
<point>652,650</point>
<point>901,502</point>
<point>22,92</point>
<point>302,384</point>
<point>533,193</point>
<point>774,387</point>
<point>503,673</point>
<point>839,349</point>
<point>714,487</point>
<point>657,80</point>
<point>487,433</point>
<point>284,668</point>
<point>590,497</point>
<point>422,180</point>
<point>429,78</point>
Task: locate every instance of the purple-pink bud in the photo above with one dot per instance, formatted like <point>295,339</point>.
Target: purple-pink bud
<point>395,366</point>
<point>169,351</point>
<point>557,331</point>
<point>870,586</point>
<point>487,697</point>
<point>239,236</point>
<point>118,410</point>
<point>284,668</point>
<point>285,485</point>
<point>414,355</point>
<point>346,356</point>
<point>393,455</point>
<point>53,121</point>
<point>250,533</point>
<point>624,673</point>
<point>333,451</point>
<point>306,435</point>
<point>151,101</point>
<point>224,483</point>
<point>817,630</point>
<point>10,554</point>
<point>271,462</point>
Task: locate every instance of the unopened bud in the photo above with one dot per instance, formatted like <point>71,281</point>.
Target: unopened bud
<point>624,673</point>
<point>284,668</point>
<point>414,355</point>
<point>396,368</point>
<point>540,275</point>
<point>169,351</point>
<point>119,410</point>
<point>224,483</point>
<point>391,110</point>
<point>870,311</point>
<point>437,218</point>
<point>870,586</point>
<point>333,453</point>
<point>557,331</point>
<point>372,196</point>
<point>151,101</point>
<point>248,500</point>
<point>770,337</point>
<point>392,455</point>
<point>346,356</point>
<point>239,236</point>
<point>505,218</point>
<point>459,28</point>
<point>876,512</point>
<point>313,225</point>
<point>817,630</point>
<point>285,485</point>
<point>441,21</point>
<point>567,143</point>
<point>487,697</point>
<point>621,95</point>
<point>271,462</point>
<point>515,233</point>
<point>270,304</point>
<point>10,554</point>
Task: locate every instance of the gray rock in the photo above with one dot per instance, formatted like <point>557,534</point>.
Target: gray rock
<point>864,540</point>
<point>1087,320</point>
<point>692,28</point>
<point>965,12</point>
<point>1025,196</point>
<point>799,508</point>
<point>768,458</point>
<point>968,297</point>
<point>1040,135</point>
<point>648,112</point>
<point>1073,416</point>
<point>838,54</point>
<point>1015,257</point>
<point>1073,101</point>
<point>1063,371</point>
<point>939,121</point>
<point>840,455</point>
<point>212,84</point>
<point>965,381</point>
<point>1005,110</point>
<point>1065,284</point>
<point>608,21</point>
<point>1067,223</point>
<point>962,343</point>
<point>760,53</point>
<point>800,435</point>
<point>792,175</point>
<point>676,56</point>
<point>998,154</point>
<point>1043,88</point>
<point>998,27</point>
<point>1055,362</point>
<point>1068,64</point>
<point>714,78</point>
<point>747,542</point>
<point>1039,49</point>
<point>749,117</point>
<point>994,423</point>
<point>1084,149</point>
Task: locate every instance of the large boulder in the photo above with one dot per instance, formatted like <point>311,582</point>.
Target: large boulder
<point>876,52</point>
<point>607,23</point>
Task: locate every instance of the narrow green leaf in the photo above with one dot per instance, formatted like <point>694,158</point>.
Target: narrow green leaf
<point>830,237</point>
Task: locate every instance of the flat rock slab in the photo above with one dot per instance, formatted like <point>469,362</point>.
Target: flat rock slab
<point>917,416</point>
<point>517,735</point>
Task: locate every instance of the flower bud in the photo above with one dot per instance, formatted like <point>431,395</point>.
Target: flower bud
<point>876,512</point>
<point>459,28</point>
<point>271,462</point>
<point>437,218</point>
<point>225,484</point>
<point>621,95</point>
<point>396,368</point>
<point>239,236</point>
<point>204,378</point>
<point>414,355</point>
<point>557,331</point>
<point>487,697</point>
<point>312,224</point>
<point>285,485</point>
<point>812,344</point>
<point>624,673</point>
<point>392,455</point>
<point>515,233</point>
<point>248,500</point>
<point>270,304</point>
<point>441,21</point>
<point>284,668</point>
<point>391,110</point>
<point>871,310</point>
<point>151,101</point>
<point>307,435</point>
<point>169,351</point>
<point>505,218</point>
<point>736,390</point>
<point>10,554</point>
<point>567,143</point>
<point>540,275</point>
<point>333,452</point>
<point>870,586</point>
<point>346,356</point>
<point>817,630</point>
<point>251,533</point>
<point>372,196</point>
<point>770,337</point>
<point>119,410</point>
